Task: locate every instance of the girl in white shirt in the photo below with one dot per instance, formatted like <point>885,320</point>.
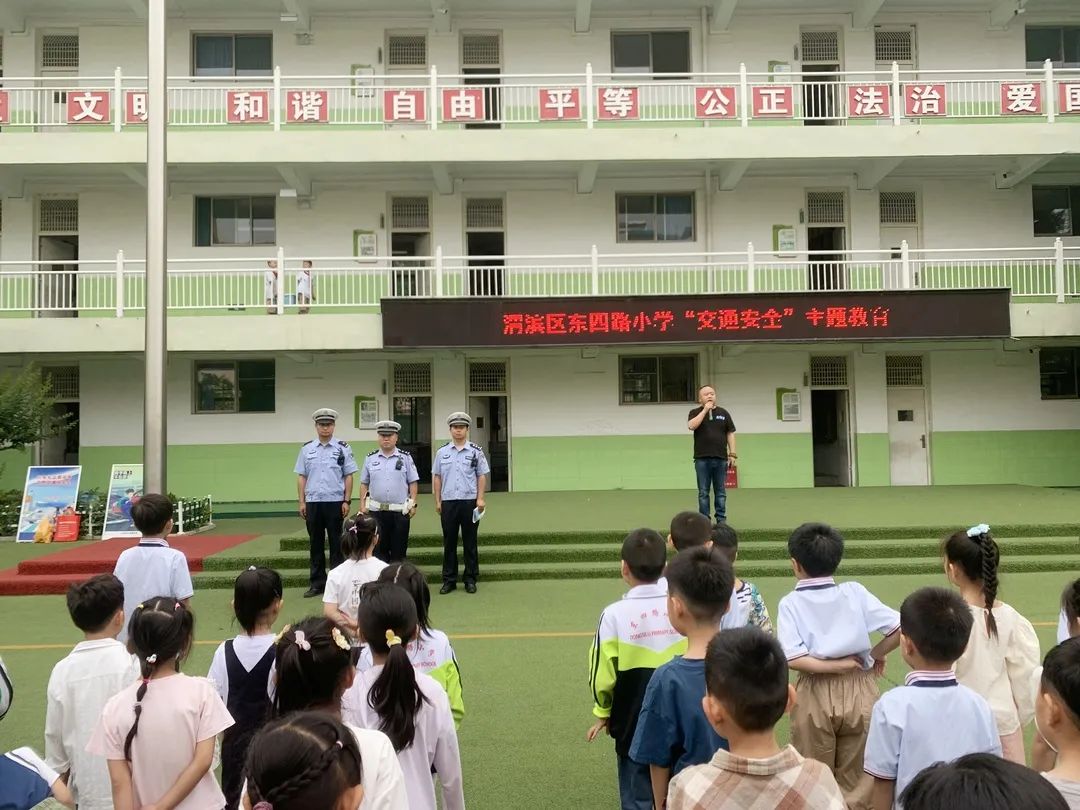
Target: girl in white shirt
<point>341,599</point>
<point>409,707</point>
<point>1003,649</point>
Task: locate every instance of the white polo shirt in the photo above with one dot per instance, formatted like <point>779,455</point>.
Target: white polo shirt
<point>931,718</point>
<point>151,569</point>
<point>823,619</point>
<point>1063,627</point>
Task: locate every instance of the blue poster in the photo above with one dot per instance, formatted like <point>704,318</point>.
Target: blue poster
<point>49,493</point>
<point>125,489</point>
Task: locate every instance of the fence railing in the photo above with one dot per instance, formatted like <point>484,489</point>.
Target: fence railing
<point>284,284</point>
<point>430,100</point>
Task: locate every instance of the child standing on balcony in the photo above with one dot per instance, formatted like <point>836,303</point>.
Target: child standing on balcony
<point>304,294</point>
<point>270,281</point>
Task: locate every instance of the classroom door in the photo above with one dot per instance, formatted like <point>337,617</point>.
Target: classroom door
<point>830,426</point>
<point>908,455</point>
<point>414,415</point>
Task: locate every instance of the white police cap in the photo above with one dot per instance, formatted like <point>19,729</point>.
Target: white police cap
<point>387,427</point>
<point>459,418</point>
<point>325,415</point>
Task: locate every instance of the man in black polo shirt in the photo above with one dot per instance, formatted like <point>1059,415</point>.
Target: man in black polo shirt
<point>714,450</point>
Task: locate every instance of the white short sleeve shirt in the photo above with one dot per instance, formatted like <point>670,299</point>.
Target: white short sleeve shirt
<point>344,582</point>
<point>151,569</point>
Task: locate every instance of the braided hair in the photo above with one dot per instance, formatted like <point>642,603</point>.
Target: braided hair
<point>312,660</point>
<point>306,761</point>
<point>977,556</point>
<point>160,632</point>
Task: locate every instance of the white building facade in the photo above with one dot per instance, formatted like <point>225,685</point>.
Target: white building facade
<point>718,161</point>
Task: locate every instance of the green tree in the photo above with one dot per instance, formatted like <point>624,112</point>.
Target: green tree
<point>27,414</point>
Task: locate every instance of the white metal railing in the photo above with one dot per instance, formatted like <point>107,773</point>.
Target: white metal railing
<point>256,285</point>
<point>587,99</point>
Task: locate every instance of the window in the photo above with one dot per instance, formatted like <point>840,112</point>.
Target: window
<point>232,54</point>
<point>234,221</point>
<point>667,378</point>
<point>1060,44</point>
<point>1059,373</point>
<point>1053,210</point>
<point>651,52</point>
<point>655,217</point>
<point>243,386</point>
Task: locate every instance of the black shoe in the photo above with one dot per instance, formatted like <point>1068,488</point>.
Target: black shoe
<point>447,587</point>
<point>470,587</point>
<point>312,591</point>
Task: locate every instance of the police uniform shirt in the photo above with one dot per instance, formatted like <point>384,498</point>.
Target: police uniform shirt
<point>388,477</point>
<point>710,437</point>
<point>325,467</point>
<point>459,468</point>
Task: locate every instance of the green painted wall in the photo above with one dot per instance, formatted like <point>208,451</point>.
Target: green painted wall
<point>1034,457</point>
<point>13,464</point>
<point>872,459</point>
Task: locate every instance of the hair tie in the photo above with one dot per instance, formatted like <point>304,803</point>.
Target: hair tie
<point>978,531</point>
<point>339,743</point>
<point>252,568</point>
<point>140,606</point>
<point>392,639</point>
<point>340,640</point>
<point>301,641</point>
<point>152,658</point>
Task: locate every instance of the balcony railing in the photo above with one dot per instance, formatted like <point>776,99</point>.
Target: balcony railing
<point>587,99</point>
<point>95,288</point>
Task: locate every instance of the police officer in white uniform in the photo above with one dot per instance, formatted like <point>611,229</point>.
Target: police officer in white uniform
<point>388,486</point>
<point>324,483</point>
<point>459,474</point>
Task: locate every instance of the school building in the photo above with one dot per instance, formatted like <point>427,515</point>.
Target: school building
<point>858,219</point>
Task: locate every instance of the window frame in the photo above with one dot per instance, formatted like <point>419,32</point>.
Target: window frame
<point>234,365</point>
<point>651,32</point>
<point>1060,29</point>
<point>695,361</point>
<point>1073,192</point>
<point>251,219</point>
<point>656,195</point>
<point>232,35</point>
<point>1075,351</point>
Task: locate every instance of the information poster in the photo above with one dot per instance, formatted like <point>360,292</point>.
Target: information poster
<point>49,493</point>
<point>125,489</point>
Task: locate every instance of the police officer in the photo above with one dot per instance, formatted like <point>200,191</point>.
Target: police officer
<point>324,472</point>
<point>388,485</point>
<point>458,479</point>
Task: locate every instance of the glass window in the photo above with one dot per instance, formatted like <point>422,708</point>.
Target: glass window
<point>1060,44</point>
<point>232,54</point>
<point>235,221</point>
<point>256,386</point>
<point>630,53</point>
<point>636,217</point>
<point>655,217</point>
<point>253,54</point>
<point>215,387</point>
<point>245,386</point>
<point>667,378</point>
<point>650,52</point>
<point>1052,209</point>
<point>671,52</point>
<point>1059,373</point>
<point>213,55</point>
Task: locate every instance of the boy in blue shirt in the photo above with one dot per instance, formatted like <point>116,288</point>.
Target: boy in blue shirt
<point>931,718</point>
<point>673,731</point>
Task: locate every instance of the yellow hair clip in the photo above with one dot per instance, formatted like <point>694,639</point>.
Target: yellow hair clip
<point>141,606</point>
<point>392,638</point>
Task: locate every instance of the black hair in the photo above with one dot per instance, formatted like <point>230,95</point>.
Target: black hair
<point>981,782</point>
<point>408,576</point>
<point>161,630</point>
<point>978,558</point>
<point>644,553</point>
<point>1070,603</point>
<point>726,540</point>
<point>305,761</point>
<point>358,536</point>
<point>747,671</point>
<point>817,547</point>
<point>689,529</point>
<point>312,659</point>
<point>703,579</point>
<point>151,513</point>
<point>1061,674</point>
<point>254,593</point>
<point>388,623</point>
<point>93,603</point>
<point>938,622</point>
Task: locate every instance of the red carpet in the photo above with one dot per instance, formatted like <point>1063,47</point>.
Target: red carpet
<point>54,572</point>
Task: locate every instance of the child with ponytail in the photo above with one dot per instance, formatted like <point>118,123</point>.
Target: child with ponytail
<point>1003,649</point>
<point>158,734</point>
<point>411,708</point>
<point>342,595</point>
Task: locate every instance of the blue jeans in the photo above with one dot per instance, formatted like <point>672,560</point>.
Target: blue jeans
<point>635,786</point>
<point>711,472</point>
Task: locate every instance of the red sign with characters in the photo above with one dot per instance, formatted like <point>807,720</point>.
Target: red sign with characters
<point>869,101</point>
<point>247,106</point>
<point>407,104</point>
<point>773,101</point>
<point>715,102</point>
<point>463,104</point>
<point>560,104</point>
<point>924,100</point>
<point>136,106</point>
<point>89,107</point>
<point>1021,98</point>
<point>4,112</point>
<point>307,106</point>
<point>618,103</point>
<point>1069,98</point>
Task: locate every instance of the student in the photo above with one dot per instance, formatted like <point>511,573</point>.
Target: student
<point>672,731</point>
<point>158,733</point>
<point>1043,757</point>
<point>689,530</point>
<point>825,628</point>
<point>242,671</point>
<point>342,595</point>
<point>304,293</point>
<point>430,652</point>
<point>746,678</point>
<point>931,718</point>
<point>409,707</point>
<point>1057,717</point>
<point>313,670</point>
<point>981,782</point>
<point>747,605</point>
<point>80,685</point>
<point>152,568</point>
<point>633,638</point>
<point>1003,651</point>
<point>1069,618</point>
<point>306,761</point>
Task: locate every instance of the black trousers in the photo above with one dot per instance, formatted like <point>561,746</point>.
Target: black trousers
<point>323,518</point>
<point>457,515</point>
<point>393,535</point>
